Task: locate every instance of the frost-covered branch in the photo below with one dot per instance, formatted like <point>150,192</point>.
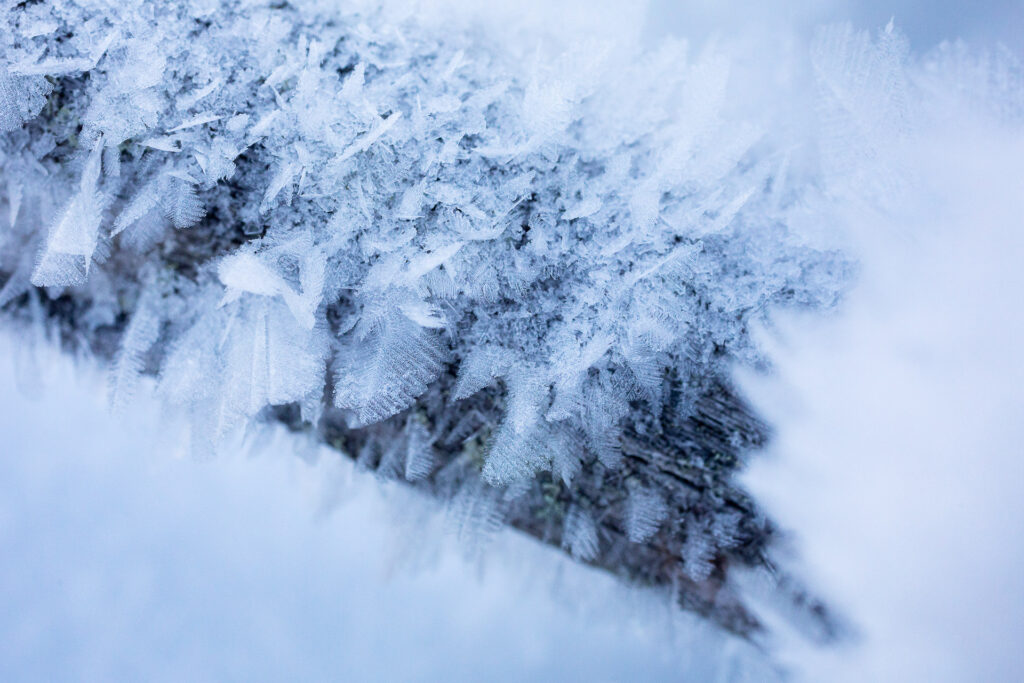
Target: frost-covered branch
<point>520,285</point>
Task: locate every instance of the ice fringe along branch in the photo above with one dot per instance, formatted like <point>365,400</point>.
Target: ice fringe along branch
<point>522,290</point>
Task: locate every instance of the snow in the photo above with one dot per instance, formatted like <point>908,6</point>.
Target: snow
<point>896,463</point>
<point>125,559</point>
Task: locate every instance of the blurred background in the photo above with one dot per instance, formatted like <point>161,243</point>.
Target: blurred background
<point>926,24</point>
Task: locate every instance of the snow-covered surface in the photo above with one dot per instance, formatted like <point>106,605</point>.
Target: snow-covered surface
<point>121,558</point>
<point>899,425</point>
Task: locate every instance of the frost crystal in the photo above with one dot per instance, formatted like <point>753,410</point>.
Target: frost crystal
<point>645,511</point>
<point>580,534</point>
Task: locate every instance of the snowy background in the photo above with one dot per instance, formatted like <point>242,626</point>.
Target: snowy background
<point>896,466</point>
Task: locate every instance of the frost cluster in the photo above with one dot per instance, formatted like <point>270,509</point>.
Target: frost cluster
<point>518,281</point>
